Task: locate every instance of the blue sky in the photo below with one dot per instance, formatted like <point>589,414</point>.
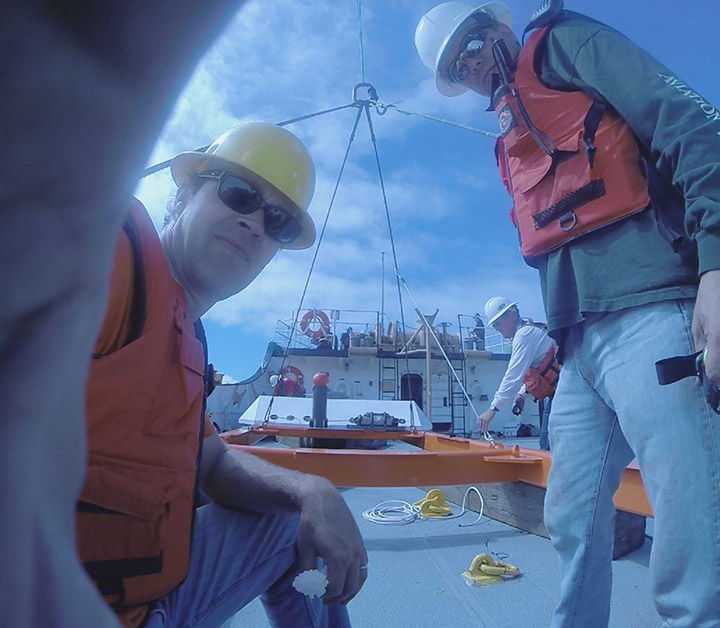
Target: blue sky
<point>456,247</point>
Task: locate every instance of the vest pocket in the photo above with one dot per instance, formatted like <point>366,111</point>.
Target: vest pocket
<point>177,407</point>
<point>529,165</point>
<point>121,519</point>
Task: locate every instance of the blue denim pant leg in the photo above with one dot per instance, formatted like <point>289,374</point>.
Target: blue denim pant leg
<point>676,439</point>
<point>544,433</point>
<point>589,453</point>
<point>236,557</point>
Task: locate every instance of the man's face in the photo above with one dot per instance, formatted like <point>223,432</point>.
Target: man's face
<point>506,325</point>
<point>215,252</point>
<point>480,65</point>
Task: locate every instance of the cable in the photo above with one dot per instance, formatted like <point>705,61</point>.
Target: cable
<point>392,238</point>
<point>360,36</point>
<point>314,259</point>
<point>396,512</point>
<point>462,512</point>
<point>382,108</point>
<point>164,164</point>
<point>392,512</point>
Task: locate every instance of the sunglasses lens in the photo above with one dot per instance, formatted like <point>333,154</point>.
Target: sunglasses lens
<point>239,195</point>
<point>281,225</point>
<point>243,198</point>
<point>474,46</point>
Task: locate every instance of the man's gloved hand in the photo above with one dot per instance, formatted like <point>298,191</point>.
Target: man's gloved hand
<point>518,404</point>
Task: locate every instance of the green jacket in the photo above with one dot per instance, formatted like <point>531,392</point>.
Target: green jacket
<point>632,263</point>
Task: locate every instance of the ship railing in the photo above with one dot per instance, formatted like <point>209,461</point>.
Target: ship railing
<point>351,329</point>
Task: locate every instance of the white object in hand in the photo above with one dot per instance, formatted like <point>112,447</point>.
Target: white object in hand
<point>311,583</point>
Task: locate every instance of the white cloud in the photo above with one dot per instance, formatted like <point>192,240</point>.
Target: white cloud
<point>284,59</point>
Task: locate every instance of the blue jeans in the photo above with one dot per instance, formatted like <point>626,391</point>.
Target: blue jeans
<point>544,423</point>
<point>609,408</point>
<point>236,557</point>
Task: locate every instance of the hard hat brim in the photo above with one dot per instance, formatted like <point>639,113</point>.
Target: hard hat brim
<point>186,165</point>
<point>501,312</point>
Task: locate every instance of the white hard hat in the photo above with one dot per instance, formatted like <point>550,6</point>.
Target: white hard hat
<point>496,307</point>
<point>436,32</point>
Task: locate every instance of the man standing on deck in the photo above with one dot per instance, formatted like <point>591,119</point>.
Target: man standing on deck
<point>151,554</point>
<point>613,165</point>
<point>532,368</point>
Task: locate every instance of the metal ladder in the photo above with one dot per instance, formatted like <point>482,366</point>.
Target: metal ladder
<point>458,401</point>
<point>388,388</point>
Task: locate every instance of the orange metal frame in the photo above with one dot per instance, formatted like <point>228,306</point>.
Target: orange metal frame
<point>439,461</point>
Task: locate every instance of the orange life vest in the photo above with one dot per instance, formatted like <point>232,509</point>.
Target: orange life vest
<point>144,426</point>
<point>592,175</point>
<point>542,381</point>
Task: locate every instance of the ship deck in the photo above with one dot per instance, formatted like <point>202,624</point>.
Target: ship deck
<point>414,576</point>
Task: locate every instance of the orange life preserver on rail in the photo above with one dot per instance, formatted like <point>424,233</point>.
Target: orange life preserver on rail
<point>287,370</point>
<point>315,323</point>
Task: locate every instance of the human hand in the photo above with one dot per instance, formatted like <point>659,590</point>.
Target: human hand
<point>327,530</point>
<point>518,405</point>
<point>706,323</point>
<point>485,418</point>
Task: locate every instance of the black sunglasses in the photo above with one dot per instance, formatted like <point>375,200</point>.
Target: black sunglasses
<point>243,198</point>
<point>471,46</point>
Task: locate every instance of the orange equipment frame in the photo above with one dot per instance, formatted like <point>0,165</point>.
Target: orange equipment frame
<point>439,461</point>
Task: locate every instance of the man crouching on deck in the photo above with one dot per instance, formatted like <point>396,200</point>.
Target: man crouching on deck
<point>154,557</point>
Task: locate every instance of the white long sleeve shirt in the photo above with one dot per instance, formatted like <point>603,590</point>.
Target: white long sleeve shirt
<point>529,346</point>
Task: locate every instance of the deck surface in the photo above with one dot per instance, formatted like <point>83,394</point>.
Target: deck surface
<point>414,576</point>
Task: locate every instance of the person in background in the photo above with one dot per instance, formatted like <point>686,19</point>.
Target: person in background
<point>345,338</point>
<point>157,560</point>
<point>532,367</point>
<point>478,333</point>
<point>613,163</point>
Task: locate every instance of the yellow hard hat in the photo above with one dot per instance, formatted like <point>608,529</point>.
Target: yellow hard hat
<point>268,152</point>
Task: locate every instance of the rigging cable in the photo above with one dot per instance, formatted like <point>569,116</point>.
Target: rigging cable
<point>392,239</point>
<point>315,255</point>
<point>382,108</point>
<point>164,164</point>
<point>486,435</point>
<point>360,36</point>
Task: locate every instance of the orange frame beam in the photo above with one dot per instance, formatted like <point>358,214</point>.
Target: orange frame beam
<point>441,461</point>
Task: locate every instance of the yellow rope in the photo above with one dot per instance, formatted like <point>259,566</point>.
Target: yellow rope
<point>486,570</point>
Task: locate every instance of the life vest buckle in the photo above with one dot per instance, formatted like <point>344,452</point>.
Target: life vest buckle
<point>567,222</point>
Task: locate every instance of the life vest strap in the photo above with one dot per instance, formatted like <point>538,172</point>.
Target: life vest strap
<point>568,204</point>
<point>109,574</point>
<point>590,127</point>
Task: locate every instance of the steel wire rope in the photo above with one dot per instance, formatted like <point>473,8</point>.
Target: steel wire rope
<point>382,108</point>
<point>315,255</point>
<point>164,164</point>
<point>360,37</point>
<point>392,239</point>
<point>437,341</point>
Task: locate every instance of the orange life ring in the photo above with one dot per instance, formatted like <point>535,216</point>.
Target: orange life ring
<point>319,321</point>
<point>293,370</point>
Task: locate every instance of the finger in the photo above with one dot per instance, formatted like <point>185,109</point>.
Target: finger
<point>336,575</point>
<point>698,332</point>
<point>352,586</point>
<point>712,360</point>
<point>307,557</point>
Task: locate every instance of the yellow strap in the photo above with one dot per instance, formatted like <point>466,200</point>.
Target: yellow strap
<point>434,504</point>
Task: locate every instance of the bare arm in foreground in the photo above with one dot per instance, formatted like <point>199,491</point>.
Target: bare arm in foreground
<point>83,100</point>
<point>240,480</point>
